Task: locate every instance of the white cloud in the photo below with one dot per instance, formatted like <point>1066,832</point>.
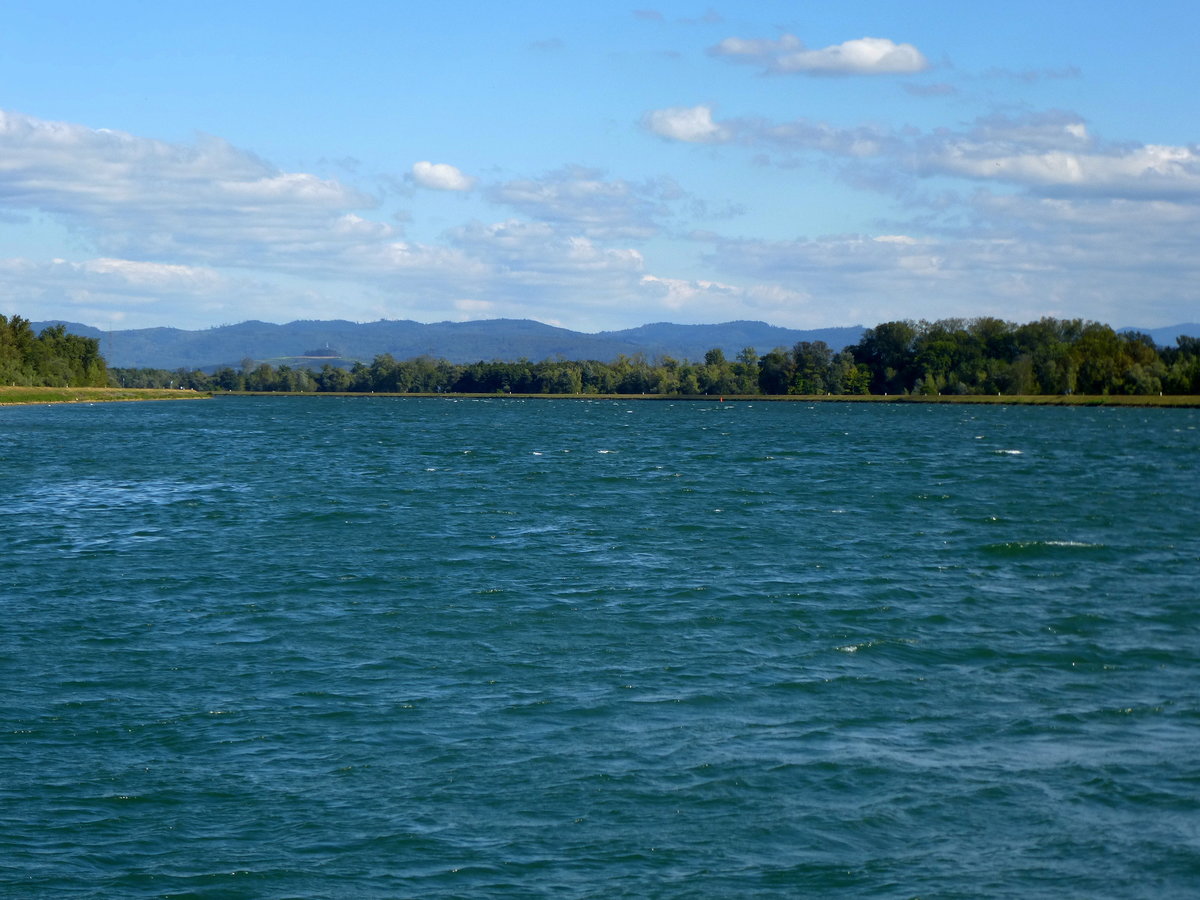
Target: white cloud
<point>696,125</point>
<point>1021,258</point>
<point>133,196</point>
<point>583,201</point>
<point>693,124</point>
<point>701,300</point>
<point>165,226</point>
<point>1054,153</point>
<point>1150,170</point>
<point>528,252</point>
<point>198,233</point>
<point>441,177</point>
<point>118,274</point>
<point>756,49</point>
<point>864,56</point>
<point>803,134</point>
<point>106,290</point>
<point>1050,152</point>
<point>146,275</point>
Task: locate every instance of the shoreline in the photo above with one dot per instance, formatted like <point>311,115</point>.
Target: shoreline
<point>1165,401</point>
<point>34,396</point>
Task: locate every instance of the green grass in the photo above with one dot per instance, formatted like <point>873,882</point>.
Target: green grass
<point>15,395</point>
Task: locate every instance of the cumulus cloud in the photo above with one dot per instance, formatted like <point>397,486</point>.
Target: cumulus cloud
<point>787,54</point>
<point>1090,223</point>
<point>1151,170</point>
<point>584,201</point>
<point>121,274</point>
<point>201,232</point>
<point>696,125</point>
<point>1016,257</point>
<point>155,276</point>
<point>512,267</point>
<point>692,124</point>
<point>131,196</point>
<point>169,224</point>
<point>77,170</point>
<point>1047,152</point>
<point>106,289</point>
<point>1054,153</point>
<point>441,177</point>
<point>805,134</point>
<point>699,300</point>
<point>529,251</point>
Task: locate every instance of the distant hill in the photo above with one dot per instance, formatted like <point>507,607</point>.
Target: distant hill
<point>1165,337</point>
<point>460,342</point>
<point>693,341</point>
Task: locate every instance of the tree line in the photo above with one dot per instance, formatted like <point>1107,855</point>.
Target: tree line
<point>949,356</point>
<point>53,358</point>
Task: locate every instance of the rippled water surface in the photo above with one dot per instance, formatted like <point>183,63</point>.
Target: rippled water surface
<point>367,647</point>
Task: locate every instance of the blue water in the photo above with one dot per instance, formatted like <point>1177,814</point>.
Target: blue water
<point>368,647</point>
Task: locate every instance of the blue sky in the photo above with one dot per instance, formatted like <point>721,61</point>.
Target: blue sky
<point>599,166</point>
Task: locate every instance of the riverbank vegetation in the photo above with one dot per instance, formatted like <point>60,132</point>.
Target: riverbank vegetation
<point>53,358</point>
<point>950,357</point>
<point>10,395</point>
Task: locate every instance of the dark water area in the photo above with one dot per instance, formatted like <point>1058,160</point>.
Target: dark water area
<point>434,648</point>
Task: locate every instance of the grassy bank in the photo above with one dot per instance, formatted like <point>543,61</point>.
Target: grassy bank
<point>15,395</point>
<point>1180,401</point>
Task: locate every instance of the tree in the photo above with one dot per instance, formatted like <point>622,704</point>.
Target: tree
<point>887,352</point>
<point>53,358</point>
<point>746,371</point>
<point>775,372</point>
<point>812,368</point>
<point>716,375</point>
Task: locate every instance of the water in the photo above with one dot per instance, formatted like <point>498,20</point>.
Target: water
<point>367,647</point>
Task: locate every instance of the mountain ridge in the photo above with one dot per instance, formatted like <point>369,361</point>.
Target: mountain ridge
<point>459,342</point>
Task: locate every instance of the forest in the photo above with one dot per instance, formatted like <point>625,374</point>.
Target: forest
<point>948,356</point>
<point>53,358</point>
